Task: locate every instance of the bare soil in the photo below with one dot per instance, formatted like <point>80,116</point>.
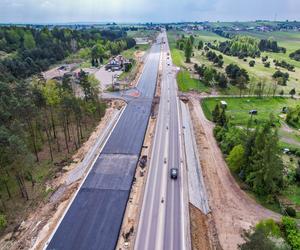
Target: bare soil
<point>35,230</point>
<point>201,240</point>
<point>232,209</point>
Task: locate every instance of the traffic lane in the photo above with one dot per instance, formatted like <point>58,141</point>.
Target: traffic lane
<point>151,200</point>
<point>161,166</point>
<point>149,228</point>
<point>155,201</point>
<point>173,219</point>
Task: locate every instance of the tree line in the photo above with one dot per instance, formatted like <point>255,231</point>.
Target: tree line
<point>295,55</point>
<point>270,46</point>
<point>39,121</point>
<point>239,46</point>
<point>245,46</point>
<point>271,235</point>
<point>252,153</point>
<point>186,44</point>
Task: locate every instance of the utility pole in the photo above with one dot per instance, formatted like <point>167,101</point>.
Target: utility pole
<point>112,82</point>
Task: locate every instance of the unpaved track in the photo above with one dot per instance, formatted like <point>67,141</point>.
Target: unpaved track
<point>232,209</point>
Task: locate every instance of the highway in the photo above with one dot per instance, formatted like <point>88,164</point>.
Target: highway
<point>162,221</point>
<point>94,218</point>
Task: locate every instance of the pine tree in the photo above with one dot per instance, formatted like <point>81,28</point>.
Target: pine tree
<point>222,119</point>
<point>266,166</point>
<point>216,113</point>
<point>188,50</point>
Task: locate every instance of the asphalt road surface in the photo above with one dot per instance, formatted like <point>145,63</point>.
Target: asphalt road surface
<point>161,224</point>
<point>94,218</point>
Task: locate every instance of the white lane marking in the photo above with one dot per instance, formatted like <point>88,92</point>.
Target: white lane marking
<point>162,206</point>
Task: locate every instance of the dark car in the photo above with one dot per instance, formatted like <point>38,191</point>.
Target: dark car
<point>253,112</point>
<point>174,173</point>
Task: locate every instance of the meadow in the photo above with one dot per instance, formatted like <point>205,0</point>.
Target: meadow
<point>258,73</point>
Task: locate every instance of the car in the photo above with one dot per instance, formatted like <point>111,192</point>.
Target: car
<point>253,112</point>
<point>174,173</point>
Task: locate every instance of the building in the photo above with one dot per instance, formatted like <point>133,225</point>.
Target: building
<point>117,63</point>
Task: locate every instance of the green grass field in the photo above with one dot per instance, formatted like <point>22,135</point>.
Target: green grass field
<point>186,83</point>
<point>293,194</point>
<point>238,111</point>
<point>238,108</point>
<point>289,40</point>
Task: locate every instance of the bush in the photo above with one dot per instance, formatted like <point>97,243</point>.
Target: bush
<point>291,232</point>
<point>252,63</point>
<point>295,55</point>
<point>257,240</point>
<point>290,211</point>
<point>235,158</point>
<point>3,221</point>
<point>270,227</point>
<point>298,174</point>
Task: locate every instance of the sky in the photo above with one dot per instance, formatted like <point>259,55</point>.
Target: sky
<point>62,11</point>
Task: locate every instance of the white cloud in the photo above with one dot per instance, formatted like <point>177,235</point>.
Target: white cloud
<point>145,10</point>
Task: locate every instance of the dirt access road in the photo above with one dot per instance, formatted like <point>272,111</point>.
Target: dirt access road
<point>232,209</point>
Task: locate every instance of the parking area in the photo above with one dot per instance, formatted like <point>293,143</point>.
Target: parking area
<point>106,76</point>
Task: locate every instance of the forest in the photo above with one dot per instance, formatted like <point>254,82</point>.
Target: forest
<point>44,122</point>
<point>29,51</point>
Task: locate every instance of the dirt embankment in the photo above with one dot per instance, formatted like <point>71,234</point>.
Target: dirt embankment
<point>202,230</point>
<point>35,230</point>
<point>232,209</point>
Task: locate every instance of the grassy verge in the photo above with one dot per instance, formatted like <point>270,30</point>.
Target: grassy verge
<point>186,83</point>
<point>130,54</point>
<point>293,194</point>
<point>177,57</point>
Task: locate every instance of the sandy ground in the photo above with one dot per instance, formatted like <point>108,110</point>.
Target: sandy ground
<point>36,229</point>
<point>232,209</point>
<point>199,229</point>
